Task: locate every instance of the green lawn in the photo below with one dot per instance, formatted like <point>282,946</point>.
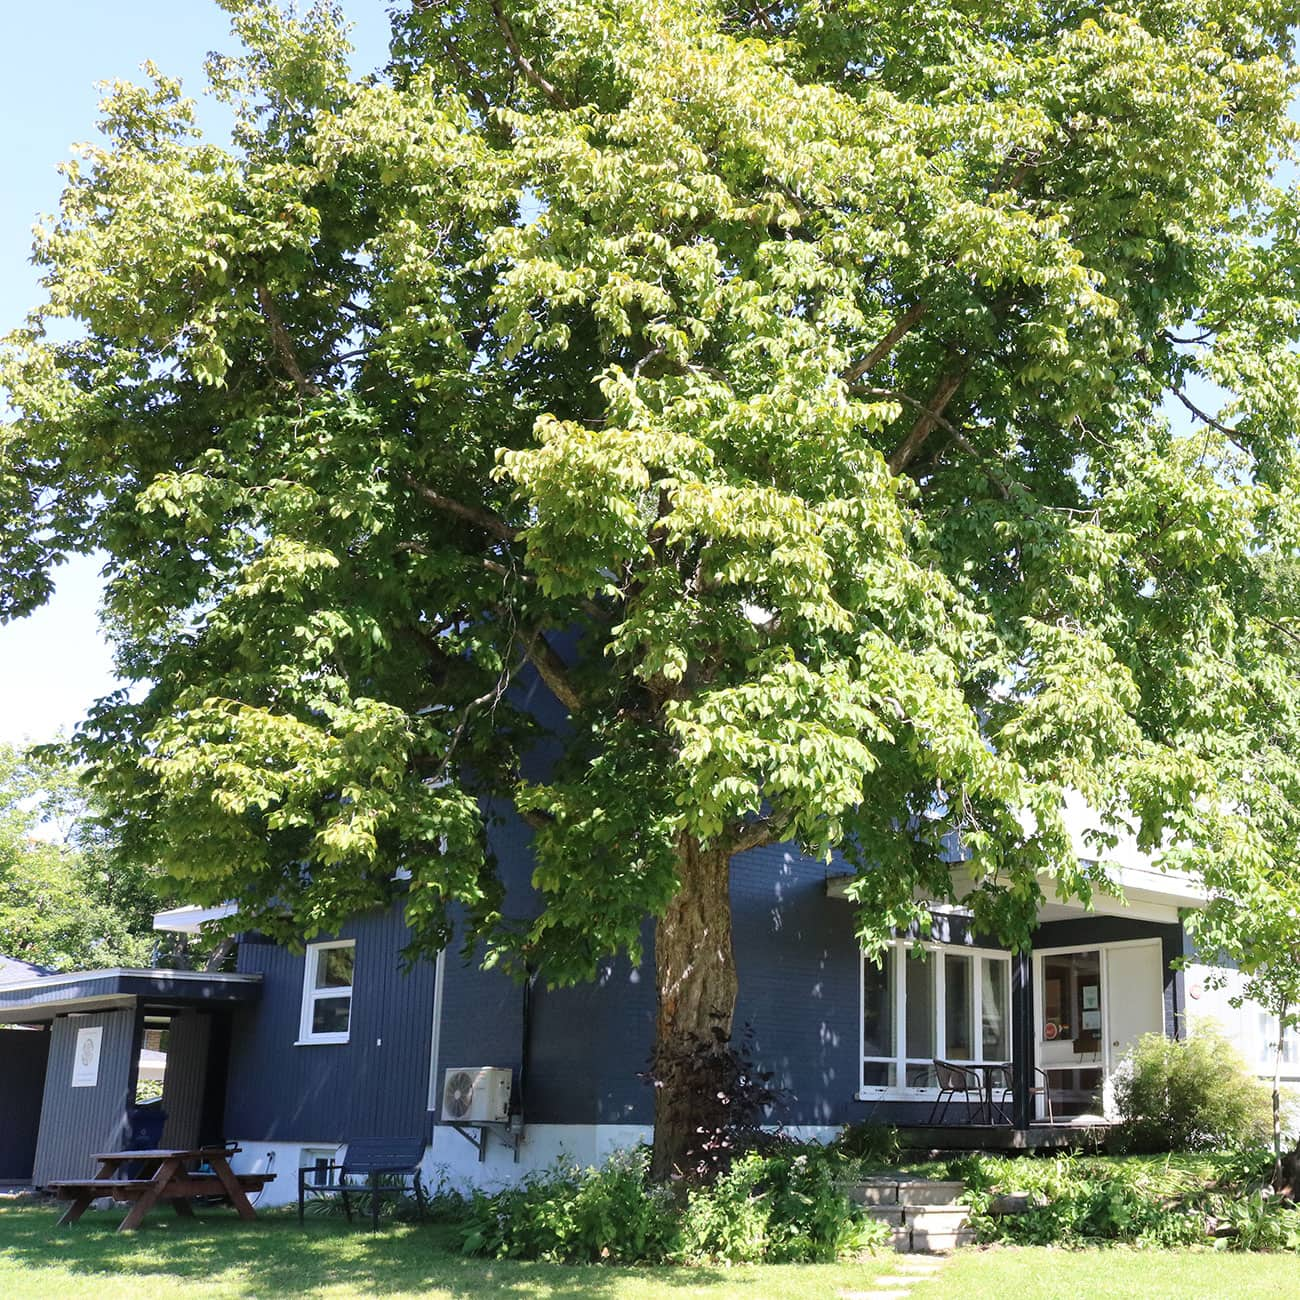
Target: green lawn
<point>1042,1273</point>
<point>220,1257</point>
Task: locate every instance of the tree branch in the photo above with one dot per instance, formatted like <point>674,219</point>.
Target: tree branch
<point>477,515</point>
<point>948,427</point>
<point>551,669</point>
<point>756,834</point>
<point>931,414</point>
<point>521,59</point>
<point>1231,434</point>
<point>901,328</point>
<point>284,345</point>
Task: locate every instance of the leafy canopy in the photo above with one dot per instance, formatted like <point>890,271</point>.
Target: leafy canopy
<point>681,422</point>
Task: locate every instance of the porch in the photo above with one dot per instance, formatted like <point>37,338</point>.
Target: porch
<point>1059,1018</point>
<point>933,1139</point>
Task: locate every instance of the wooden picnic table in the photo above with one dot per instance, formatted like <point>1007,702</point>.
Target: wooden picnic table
<point>160,1176</point>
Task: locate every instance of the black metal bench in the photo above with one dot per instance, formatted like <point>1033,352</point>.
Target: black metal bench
<point>369,1160</point>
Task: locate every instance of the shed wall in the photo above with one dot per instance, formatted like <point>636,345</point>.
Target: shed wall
<point>77,1122</point>
<point>23,1057</point>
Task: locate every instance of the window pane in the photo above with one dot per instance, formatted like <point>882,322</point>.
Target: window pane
<point>995,1009</point>
<point>1071,1003</point>
<point>331,1015</point>
<point>877,1074</point>
<point>958,1014</point>
<point>334,967</point>
<point>878,1007</point>
<point>921,1074</point>
<point>920,1007</point>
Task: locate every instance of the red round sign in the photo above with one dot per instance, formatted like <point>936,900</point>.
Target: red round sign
<point>1049,1031</point>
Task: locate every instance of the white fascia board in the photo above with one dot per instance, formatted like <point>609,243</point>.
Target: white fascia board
<point>190,920</point>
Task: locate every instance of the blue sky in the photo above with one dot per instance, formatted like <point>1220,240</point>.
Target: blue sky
<point>55,663</point>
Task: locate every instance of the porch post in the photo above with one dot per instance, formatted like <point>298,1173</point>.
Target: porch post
<point>1022,1039</point>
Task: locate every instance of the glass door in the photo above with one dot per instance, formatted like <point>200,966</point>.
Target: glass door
<point>1071,1031</point>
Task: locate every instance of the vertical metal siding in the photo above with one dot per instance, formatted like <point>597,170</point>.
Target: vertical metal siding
<point>76,1122</point>
<point>23,1056</point>
<point>186,1077</point>
<point>373,1085</point>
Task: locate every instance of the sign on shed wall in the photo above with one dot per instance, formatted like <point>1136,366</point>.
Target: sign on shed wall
<point>85,1061</point>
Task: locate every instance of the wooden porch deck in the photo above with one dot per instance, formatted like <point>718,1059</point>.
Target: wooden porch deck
<point>1002,1137</point>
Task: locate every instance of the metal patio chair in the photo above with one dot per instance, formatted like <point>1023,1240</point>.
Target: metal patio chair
<point>955,1080</point>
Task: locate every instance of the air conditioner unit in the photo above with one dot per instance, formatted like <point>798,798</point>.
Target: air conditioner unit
<point>477,1094</point>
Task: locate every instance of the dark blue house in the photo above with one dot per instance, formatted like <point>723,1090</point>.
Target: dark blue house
<point>300,1052</point>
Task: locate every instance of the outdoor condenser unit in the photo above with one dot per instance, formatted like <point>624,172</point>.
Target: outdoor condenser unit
<point>478,1094</point>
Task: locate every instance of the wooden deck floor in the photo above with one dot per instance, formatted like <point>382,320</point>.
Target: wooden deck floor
<point>1001,1137</point>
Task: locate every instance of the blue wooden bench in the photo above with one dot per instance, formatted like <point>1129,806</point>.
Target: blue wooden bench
<point>365,1169</point>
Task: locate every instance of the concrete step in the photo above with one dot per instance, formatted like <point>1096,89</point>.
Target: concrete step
<point>925,1228</point>
<point>942,1218</point>
<point>929,1243</point>
<point>905,1191</point>
<point>930,1193</point>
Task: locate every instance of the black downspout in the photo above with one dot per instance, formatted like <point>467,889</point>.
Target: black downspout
<point>1022,1039</point>
<point>525,1045</point>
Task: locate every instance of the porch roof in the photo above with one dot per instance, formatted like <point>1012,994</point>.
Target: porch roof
<point>1145,894</point>
<point>45,997</point>
<point>1143,891</point>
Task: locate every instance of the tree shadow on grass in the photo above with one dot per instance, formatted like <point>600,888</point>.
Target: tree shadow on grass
<point>274,1257</point>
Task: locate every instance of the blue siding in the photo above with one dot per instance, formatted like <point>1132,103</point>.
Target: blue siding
<point>798,962</point>
<point>374,1085</point>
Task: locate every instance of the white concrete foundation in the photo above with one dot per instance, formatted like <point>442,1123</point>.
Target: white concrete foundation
<point>451,1161</point>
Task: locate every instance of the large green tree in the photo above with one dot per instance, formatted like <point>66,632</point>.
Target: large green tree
<point>781,387</point>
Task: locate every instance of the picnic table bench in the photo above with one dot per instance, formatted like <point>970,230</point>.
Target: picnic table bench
<point>160,1176</point>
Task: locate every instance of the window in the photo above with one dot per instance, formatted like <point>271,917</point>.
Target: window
<point>318,1162</point>
<point>327,992</point>
<point>1266,1036</point>
<point>953,1003</point>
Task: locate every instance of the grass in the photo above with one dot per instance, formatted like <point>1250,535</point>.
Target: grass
<point>1046,1273</point>
<point>219,1258</point>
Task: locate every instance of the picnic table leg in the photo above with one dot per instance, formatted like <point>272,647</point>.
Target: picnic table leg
<point>78,1207</point>
<point>167,1170</point>
<point>235,1193</point>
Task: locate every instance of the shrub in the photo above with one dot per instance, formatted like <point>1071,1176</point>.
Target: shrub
<point>571,1215</point>
<point>875,1145</point>
<point>1258,1222</point>
<point>787,1207</point>
<point>1081,1200</point>
<point>733,1099</point>
<point>1190,1095</point>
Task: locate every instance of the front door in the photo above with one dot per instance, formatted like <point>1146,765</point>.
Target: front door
<point>1135,999</point>
<point>1092,1004</point>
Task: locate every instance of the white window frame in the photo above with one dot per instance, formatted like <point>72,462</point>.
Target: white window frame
<point>935,960</point>
<point>311,994</point>
<point>1264,1044</point>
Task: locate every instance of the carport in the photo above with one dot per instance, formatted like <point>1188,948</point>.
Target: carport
<point>75,1093</point>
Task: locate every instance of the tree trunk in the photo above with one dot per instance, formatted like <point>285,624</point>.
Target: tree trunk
<point>1277,1095</point>
<point>695,967</point>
